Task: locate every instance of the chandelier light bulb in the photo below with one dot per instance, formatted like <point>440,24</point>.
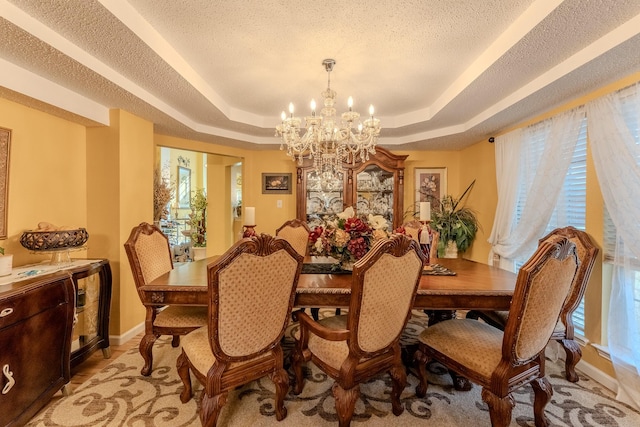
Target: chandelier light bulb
<point>283,116</point>
<point>371,110</point>
<point>291,108</point>
<point>350,103</point>
<point>313,107</point>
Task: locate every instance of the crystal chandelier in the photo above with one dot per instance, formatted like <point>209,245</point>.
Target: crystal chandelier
<point>328,141</point>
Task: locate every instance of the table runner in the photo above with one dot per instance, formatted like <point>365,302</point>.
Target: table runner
<point>328,268</point>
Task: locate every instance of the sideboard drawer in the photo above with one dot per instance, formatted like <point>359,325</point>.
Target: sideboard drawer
<point>17,307</point>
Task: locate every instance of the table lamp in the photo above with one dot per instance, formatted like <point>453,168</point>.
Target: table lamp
<point>250,222</point>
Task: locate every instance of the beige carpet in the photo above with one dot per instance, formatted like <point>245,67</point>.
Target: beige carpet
<point>120,396</point>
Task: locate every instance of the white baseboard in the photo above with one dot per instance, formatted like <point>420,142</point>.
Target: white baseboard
<point>597,375</point>
<point>124,338</point>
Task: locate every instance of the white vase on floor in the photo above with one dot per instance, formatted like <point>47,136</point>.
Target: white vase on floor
<point>451,251</point>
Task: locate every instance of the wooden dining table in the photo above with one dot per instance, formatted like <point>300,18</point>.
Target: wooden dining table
<point>474,286</point>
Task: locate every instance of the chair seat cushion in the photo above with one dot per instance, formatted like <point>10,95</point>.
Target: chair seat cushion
<point>470,343</point>
<point>333,353</point>
<point>181,316</point>
<point>196,346</point>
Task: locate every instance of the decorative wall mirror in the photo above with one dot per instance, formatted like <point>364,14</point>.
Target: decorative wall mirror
<point>184,187</point>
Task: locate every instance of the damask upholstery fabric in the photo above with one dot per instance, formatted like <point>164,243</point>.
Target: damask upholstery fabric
<point>181,316</point>
<point>298,238</point>
<point>333,353</point>
<point>384,306</point>
<point>252,300</point>
<point>469,342</point>
<point>196,345</point>
<point>148,248</point>
<point>547,294</point>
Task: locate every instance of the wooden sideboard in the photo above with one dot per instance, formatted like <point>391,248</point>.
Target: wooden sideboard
<point>40,341</point>
<point>36,319</point>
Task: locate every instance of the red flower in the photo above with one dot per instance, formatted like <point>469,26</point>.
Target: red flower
<point>357,225</point>
<point>315,234</point>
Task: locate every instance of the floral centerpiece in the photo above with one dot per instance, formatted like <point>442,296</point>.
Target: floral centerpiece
<point>347,238</point>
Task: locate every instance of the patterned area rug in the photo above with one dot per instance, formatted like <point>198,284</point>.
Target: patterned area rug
<point>120,396</point>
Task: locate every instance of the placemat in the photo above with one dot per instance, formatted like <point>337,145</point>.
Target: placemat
<point>437,270</point>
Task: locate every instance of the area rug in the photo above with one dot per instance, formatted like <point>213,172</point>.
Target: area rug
<point>120,396</point>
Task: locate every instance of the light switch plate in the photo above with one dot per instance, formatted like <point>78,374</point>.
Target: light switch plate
<point>279,203</point>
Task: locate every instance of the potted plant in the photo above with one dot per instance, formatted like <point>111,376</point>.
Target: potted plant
<point>456,223</point>
<point>197,222</point>
<point>162,194</point>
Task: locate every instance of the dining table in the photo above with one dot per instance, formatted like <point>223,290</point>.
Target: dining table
<point>448,285</point>
<point>464,285</point>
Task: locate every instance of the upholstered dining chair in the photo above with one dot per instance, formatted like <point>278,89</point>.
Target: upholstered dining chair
<point>503,361</point>
<point>242,343</point>
<point>149,256</point>
<point>564,330</point>
<point>296,232</point>
<point>412,228</point>
<point>364,343</point>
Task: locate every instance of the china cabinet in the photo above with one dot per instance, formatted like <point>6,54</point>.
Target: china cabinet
<point>373,187</point>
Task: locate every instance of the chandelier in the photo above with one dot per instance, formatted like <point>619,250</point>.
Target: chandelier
<point>326,139</point>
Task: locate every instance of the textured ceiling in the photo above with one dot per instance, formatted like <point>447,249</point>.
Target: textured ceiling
<point>441,74</point>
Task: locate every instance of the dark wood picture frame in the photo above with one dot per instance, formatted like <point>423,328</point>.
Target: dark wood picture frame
<point>276,183</point>
<point>5,145</point>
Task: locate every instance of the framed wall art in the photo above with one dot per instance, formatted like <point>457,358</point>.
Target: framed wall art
<point>431,185</point>
<point>276,183</point>
<point>5,144</point>
<point>184,187</point>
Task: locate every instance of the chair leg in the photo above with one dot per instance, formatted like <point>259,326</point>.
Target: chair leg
<point>315,313</point>
<point>499,408</point>
<point>345,403</point>
<point>399,382</point>
<point>182,364</point>
<point>421,360</point>
<point>211,407</point>
<point>542,395</point>
<point>281,379</point>
<point>297,359</point>
<point>472,314</point>
<point>146,350</point>
<point>175,341</point>
<point>574,354</point>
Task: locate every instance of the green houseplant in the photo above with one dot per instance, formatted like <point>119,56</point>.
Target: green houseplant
<point>455,222</point>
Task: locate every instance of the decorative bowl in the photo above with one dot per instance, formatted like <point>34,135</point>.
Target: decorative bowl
<point>53,240</point>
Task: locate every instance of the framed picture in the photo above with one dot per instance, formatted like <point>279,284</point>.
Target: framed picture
<point>184,187</point>
<point>5,143</point>
<point>431,185</point>
<point>276,183</point>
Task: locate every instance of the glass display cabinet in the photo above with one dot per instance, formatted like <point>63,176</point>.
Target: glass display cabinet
<point>372,187</point>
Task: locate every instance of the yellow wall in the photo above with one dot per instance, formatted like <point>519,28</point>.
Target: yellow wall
<point>47,175</point>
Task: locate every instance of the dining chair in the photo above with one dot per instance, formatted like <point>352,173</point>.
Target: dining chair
<point>241,343</point>
<point>503,361</point>
<point>149,256</point>
<point>296,232</point>
<point>364,343</point>
<point>564,330</point>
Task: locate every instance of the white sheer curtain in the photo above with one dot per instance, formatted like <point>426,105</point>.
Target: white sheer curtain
<point>508,149</point>
<point>540,173</point>
<point>616,154</point>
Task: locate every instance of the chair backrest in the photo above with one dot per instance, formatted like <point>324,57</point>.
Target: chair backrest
<point>542,287</point>
<point>296,232</point>
<point>383,289</point>
<point>587,253</point>
<point>149,253</point>
<point>251,293</point>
